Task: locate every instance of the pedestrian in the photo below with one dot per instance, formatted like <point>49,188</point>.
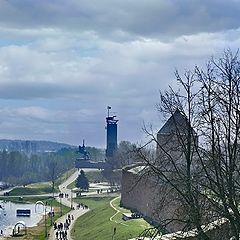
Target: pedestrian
<point>56,234</point>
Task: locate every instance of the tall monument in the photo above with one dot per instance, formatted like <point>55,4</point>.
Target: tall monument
<point>111,137</point>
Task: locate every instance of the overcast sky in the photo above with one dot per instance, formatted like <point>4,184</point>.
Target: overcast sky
<point>63,61</point>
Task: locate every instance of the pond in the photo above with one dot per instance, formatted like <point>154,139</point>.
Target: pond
<point>8,216</point>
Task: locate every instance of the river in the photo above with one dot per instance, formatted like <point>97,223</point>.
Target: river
<point>8,216</point>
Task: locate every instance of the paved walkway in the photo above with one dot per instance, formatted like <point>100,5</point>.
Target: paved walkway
<point>117,212</point>
<point>67,202</point>
<point>76,213</point>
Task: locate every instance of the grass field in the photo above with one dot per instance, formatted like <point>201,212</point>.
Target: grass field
<point>24,199</point>
<point>64,177</point>
<point>96,223</point>
<point>41,187</point>
<point>116,204</point>
<point>37,189</point>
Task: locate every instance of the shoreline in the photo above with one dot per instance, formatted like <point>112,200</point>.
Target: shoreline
<point>37,228</point>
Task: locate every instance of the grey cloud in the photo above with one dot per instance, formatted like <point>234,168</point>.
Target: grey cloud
<point>80,56</point>
<point>146,18</point>
<point>34,122</point>
<point>116,71</point>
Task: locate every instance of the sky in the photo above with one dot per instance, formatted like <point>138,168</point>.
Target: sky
<point>63,62</point>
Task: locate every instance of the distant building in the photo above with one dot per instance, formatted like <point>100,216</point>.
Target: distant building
<point>111,138</point>
<point>84,161</point>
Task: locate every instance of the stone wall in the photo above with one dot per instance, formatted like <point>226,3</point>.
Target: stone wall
<point>136,193</point>
<point>153,200</point>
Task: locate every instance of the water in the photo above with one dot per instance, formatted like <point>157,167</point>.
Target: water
<point>8,216</point>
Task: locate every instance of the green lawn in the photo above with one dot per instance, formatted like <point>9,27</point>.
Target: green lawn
<point>31,190</point>
<point>24,199</point>
<point>41,187</point>
<point>96,223</point>
<point>64,177</point>
<point>116,204</point>
<point>71,185</point>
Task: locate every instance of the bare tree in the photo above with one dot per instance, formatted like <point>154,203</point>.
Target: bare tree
<point>53,170</point>
<point>176,165</point>
<point>126,154</point>
<point>220,125</point>
<point>198,157</point>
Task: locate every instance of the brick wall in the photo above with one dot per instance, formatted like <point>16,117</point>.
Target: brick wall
<point>153,200</point>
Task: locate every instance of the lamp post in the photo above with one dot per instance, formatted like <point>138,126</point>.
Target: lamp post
<point>71,199</point>
<point>61,204</point>
<point>51,215</point>
<point>114,233</point>
<point>45,220</point>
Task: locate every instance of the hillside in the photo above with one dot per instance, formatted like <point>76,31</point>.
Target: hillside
<point>31,146</point>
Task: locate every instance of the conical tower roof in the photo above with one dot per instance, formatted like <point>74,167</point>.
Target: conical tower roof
<point>177,123</point>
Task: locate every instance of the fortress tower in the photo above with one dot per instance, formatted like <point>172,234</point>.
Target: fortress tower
<point>143,192</point>
<point>174,135</point>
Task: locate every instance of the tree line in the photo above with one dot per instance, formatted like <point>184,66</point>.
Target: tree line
<point>18,168</point>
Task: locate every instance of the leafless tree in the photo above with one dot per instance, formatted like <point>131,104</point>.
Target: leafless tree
<point>198,160</point>
<point>220,125</point>
<point>53,170</point>
<point>126,154</point>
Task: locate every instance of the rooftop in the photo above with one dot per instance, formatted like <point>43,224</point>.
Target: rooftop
<point>178,122</point>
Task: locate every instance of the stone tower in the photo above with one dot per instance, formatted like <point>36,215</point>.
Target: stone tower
<point>174,134</point>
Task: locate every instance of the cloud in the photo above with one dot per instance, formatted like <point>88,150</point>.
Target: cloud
<point>146,18</point>
<point>62,62</point>
<point>34,122</point>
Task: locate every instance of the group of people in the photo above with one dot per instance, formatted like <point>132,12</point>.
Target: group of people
<point>82,205</point>
<point>109,190</point>
<point>62,228</point>
<point>63,195</point>
<point>99,191</point>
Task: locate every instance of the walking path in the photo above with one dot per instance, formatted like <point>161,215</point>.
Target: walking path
<point>117,211</point>
<point>76,213</point>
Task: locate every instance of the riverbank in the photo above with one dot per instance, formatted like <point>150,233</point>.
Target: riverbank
<point>38,232</point>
